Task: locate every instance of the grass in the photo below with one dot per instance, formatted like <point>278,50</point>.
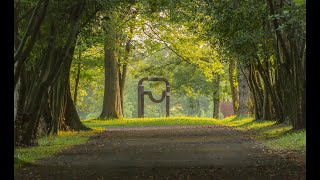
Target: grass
<point>274,136</point>
<point>49,146</point>
<point>149,121</point>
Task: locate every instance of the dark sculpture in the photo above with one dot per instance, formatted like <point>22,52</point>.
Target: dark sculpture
<point>142,92</point>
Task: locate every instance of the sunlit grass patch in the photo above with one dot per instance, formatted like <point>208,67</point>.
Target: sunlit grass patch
<point>237,121</point>
<point>276,130</point>
<point>275,136</point>
<point>289,141</point>
<point>51,145</point>
<point>150,121</point>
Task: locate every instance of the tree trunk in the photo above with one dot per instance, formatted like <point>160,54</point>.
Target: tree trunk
<point>25,47</point>
<point>15,108</point>
<point>77,83</point>
<point>302,122</point>
<point>71,116</point>
<point>267,113</point>
<point>243,91</point>
<point>19,100</point>
<point>290,53</point>
<point>65,113</point>
<point>199,108</point>
<point>58,105</point>
<point>125,67</point>
<point>112,99</point>
<point>257,106</point>
<point>65,116</point>
<point>31,120</point>
<point>55,57</point>
<point>45,119</point>
<point>234,89</point>
<point>216,96</point>
<point>274,96</point>
<point>122,83</point>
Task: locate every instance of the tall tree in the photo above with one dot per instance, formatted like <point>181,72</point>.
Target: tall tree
<point>233,87</point>
<point>243,108</point>
<point>216,96</point>
<point>112,99</point>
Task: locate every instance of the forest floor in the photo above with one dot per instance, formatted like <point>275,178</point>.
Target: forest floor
<point>169,152</point>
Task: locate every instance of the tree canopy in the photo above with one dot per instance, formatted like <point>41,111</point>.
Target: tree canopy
<point>83,59</point>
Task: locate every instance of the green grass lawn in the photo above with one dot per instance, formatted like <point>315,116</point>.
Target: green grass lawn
<point>49,146</point>
<point>267,132</point>
<point>149,121</point>
<point>274,136</point>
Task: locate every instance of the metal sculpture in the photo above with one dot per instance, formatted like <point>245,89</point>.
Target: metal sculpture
<point>142,92</point>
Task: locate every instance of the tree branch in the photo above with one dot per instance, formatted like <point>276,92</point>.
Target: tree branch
<point>27,32</point>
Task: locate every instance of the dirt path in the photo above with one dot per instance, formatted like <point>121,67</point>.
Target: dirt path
<point>166,152</point>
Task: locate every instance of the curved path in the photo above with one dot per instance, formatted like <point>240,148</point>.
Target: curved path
<point>166,152</point>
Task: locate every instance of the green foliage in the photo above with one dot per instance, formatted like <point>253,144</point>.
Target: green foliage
<point>163,49</point>
<point>91,84</point>
<point>187,42</point>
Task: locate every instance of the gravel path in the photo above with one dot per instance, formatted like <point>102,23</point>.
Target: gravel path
<point>166,152</point>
